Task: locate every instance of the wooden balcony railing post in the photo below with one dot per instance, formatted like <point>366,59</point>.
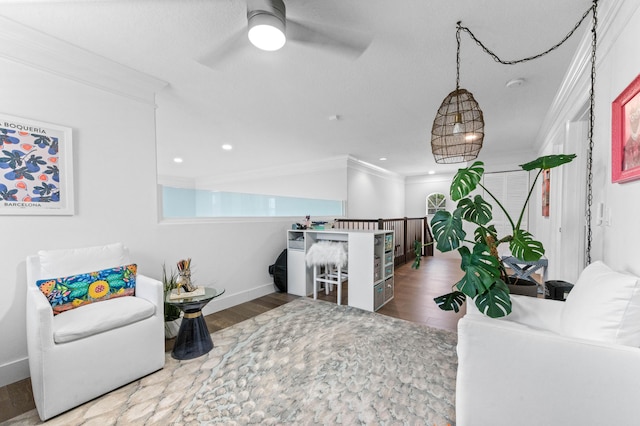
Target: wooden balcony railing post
<point>404,249</point>
<point>428,238</point>
<point>406,240</point>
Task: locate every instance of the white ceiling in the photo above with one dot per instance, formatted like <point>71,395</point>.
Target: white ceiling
<point>275,108</point>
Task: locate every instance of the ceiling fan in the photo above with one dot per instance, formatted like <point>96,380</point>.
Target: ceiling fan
<point>268,28</point>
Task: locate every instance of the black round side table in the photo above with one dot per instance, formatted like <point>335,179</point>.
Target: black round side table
<point>193,338</point>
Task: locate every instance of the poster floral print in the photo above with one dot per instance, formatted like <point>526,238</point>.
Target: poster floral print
<point>34,167</point>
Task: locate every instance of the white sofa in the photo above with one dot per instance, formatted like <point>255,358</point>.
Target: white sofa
<point>555,363</point>
<point>85,352</point>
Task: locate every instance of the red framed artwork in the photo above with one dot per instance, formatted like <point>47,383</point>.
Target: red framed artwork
<point>546,188</point>
<point>625,134</point>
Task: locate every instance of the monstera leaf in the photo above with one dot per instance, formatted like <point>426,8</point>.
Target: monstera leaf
<point>475,210</point>
<point>524,247</point>
<point>466,180</point>
<point>548,162</point>
<point>495,302</point>
<point>451,301</point>
<point>447,230</point>
<point>480,270</point>
<point>481,233</point>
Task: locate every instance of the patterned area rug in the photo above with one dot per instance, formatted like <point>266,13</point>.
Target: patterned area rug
<point>306,362</point>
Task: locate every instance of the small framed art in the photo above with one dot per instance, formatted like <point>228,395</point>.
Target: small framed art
<point>36,167</point>
<point>625,134</point>
<point>546,189</point>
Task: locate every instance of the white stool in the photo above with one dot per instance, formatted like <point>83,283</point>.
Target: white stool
<point>333,257</point>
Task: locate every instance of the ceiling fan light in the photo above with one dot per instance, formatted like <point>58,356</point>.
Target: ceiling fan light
<point>266,32</point>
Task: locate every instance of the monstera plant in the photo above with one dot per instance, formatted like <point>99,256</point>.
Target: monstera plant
<point>485,277</point>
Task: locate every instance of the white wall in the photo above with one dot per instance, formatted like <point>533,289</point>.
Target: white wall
<point>616,70</point>
<point>373,193</point>
<point>619,31</point>
<point>507,161</point>
<point>545,229</point>
<point>116,199</point>
<point>320,179</point>
<point>418,188</point>
<point>113,185</point>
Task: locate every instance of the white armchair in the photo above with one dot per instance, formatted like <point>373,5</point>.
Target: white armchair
<point>85,352</point>
<point>554,363</point>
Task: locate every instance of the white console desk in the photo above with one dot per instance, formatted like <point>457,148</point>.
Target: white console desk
<point>370,264</point>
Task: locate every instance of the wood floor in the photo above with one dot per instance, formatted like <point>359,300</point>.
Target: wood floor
<point>413,301</point>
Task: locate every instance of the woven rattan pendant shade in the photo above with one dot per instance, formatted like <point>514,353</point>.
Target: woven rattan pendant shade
<point>458,129</point>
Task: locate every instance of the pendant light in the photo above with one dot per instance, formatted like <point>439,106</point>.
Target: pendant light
<point>458,129</point>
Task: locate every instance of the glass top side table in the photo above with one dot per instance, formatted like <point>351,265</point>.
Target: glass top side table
<point>193,338</point>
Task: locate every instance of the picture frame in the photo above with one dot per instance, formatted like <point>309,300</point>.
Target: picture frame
<point>36,167</point>
<point>625,134</point>
<point>546,190</point>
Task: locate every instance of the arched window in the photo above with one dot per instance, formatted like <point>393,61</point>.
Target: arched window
<point>435,203</point>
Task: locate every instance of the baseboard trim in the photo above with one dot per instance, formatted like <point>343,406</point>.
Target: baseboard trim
<point>229,300</point>
<point>14,371</point>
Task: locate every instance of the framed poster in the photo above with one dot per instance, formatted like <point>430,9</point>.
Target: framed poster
<point>546,188</point>
<point>36,167</point>
<point>625,134</point>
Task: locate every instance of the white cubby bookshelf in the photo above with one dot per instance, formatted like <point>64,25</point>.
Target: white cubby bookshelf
<point>370,266</point>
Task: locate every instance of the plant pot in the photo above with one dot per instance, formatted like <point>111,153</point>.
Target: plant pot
<point>522,286</point>
<point>171,328</point>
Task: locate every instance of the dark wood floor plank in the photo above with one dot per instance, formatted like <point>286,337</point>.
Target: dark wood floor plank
<point>15,399</point>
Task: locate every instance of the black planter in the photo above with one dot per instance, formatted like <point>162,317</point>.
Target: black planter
<point>522,286</point>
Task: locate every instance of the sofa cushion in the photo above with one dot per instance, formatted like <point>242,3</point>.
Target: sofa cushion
<point>604,305</point>
<point>77,290</point>
<point>62,263</point>
<point>100,317</point>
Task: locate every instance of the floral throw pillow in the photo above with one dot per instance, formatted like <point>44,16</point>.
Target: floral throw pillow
<point>78,290</point>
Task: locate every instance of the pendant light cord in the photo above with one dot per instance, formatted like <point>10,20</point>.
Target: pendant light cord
<point>593,9</point>
<point>592,96</point>
<point>458,56</point>
<point>529,58</point>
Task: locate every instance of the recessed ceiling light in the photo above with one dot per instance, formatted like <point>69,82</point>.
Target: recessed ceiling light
<point>335,117</point>
<point>383,158</point>
<point>177,160</point>
<point>227,147</point>
<point>432,172</point>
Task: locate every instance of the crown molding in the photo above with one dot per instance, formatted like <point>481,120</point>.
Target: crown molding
<point>574,91</point>
<point>364,167</point>
<point>27,46</point>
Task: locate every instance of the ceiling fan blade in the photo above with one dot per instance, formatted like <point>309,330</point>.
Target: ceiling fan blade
<point>349,42</point>
<point>230,47</point>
